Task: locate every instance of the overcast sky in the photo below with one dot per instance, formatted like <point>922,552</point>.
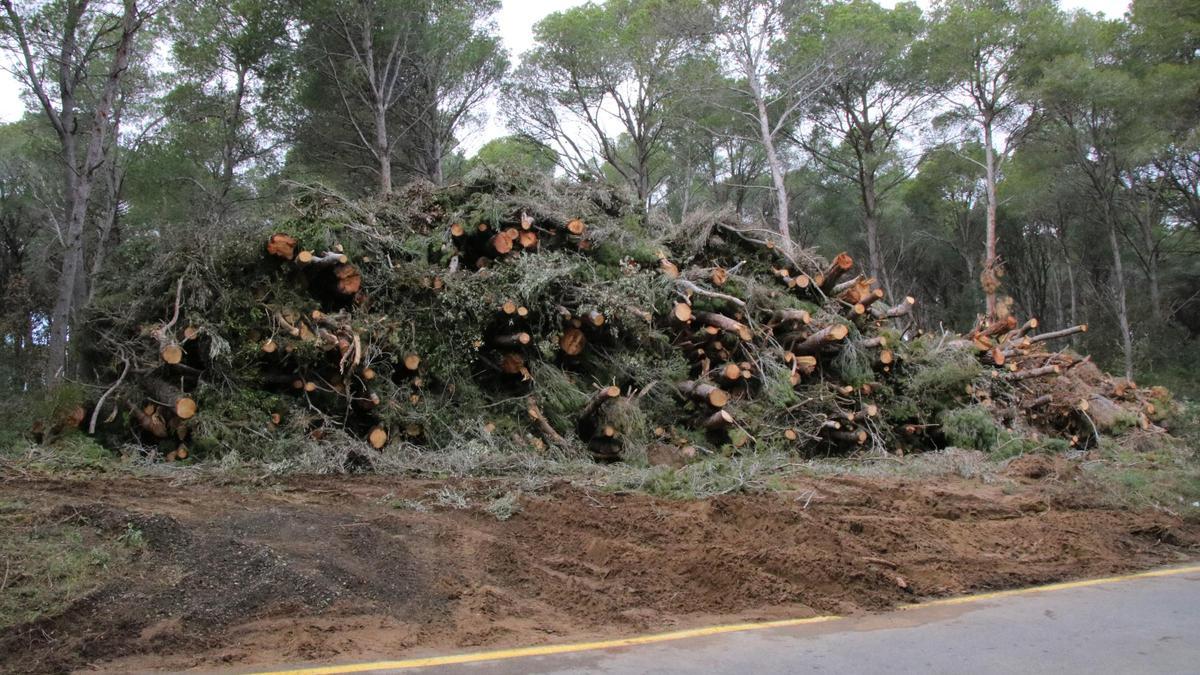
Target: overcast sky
<point>515,21</point>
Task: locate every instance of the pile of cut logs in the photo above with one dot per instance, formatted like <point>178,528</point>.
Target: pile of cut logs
<point>727,341</point>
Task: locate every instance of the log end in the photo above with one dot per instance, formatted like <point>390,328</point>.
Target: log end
<point>185,408</point>
<point>377,437</point>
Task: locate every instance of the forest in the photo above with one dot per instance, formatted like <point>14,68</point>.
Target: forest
<point>987,160</point>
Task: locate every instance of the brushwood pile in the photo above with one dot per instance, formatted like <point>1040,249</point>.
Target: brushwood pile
<point>557,319</point>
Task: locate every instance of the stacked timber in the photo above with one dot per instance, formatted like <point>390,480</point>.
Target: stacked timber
<point>490,314</point>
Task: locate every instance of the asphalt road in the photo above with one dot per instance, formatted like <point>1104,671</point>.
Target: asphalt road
<point>1135,625</point>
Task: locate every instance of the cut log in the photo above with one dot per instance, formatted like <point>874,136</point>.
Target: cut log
<point>668,268</point>
<point>792,316</point>
<point>548,432</point>
<point>719,276</point>
<point>500,243</point>
<point>997,356</point>
<point>282,245</point>
<point>171,353</point>
<point>457,230</point>
<point>726,324</point>
<point>857,292</point>
<point>598,399</point>
<point>704,392</point>
<point>377,437</point>
<point>852,437</point>
<point>872,342</point>
<point>872,297</point>
<point>528,240</point>
<point>349,281</point>
<point>595,318</point>
<point>718,420</point>
<point>572,341</point>
<point>1031,373</point>
<point>805,365</point>
<point>886,357</point>
<point>841,264</point>
<point>513,340</point>
<point>328,259</point>
<point>682,312</point>
<point>166,394</point>
<point>894,312</point>
<point>1021,332</point>
<point>1039,401</point>
<point>151,423</point>
<point>1053,335</point>
<point>731,372</point>
<point>1105,413</point>
<point>996,328</point>
<point>576,227</point>
<point>800,281</point>
<point>827,335</point>
<point>509,307</point>
<point>847,286</point>
<point>270,346</point>
<point>412,361</point>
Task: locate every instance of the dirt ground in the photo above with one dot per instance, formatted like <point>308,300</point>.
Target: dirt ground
<point>329,569</point>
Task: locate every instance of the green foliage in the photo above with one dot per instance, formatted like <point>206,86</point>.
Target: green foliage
<point>517,152</point>
<point>1010,445</point>
<point>932,378</point>
<point>505,506</point>
<point>707,478</point>
<point>1152,471</point>
<point>50,564</point>
<point>970,427</point>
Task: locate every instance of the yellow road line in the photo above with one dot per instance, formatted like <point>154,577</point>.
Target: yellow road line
<point>1170,571</point>
<point>546,650</point>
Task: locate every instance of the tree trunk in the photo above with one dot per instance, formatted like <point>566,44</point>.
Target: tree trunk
<point>1122,309</point>
<point>1147,232</point>
<point>383,150</point>
<point>990,272</point>
<point>782,222</point>
<point>233,123</point>
<point>79,181</point>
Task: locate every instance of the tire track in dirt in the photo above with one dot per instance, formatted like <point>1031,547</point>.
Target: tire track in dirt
<point>319,568</point>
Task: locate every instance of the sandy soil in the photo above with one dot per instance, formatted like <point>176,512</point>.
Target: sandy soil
<point>333,569</point>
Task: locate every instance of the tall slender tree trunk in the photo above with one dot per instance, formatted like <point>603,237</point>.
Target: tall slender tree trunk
<point>871,220</point>
<point>990,276</point>
<point>64,297</point>
<point>1147,231</point>
<point>80,177</point>
<point>233,125</point>
<point>782,221</point>
<point>1122,308</point>
<point>383,151</point>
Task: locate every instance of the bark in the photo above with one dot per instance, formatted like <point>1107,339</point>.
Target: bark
<point>704,392</point>
<point>827,335</point>
<point>1122,308</point>
<point>871,220</point>
<point>1052,335</point>
<point>990,270</point>
<point>79,176</point>
<point>774,163</point>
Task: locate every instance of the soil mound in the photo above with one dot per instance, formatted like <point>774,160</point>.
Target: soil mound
<point>314,569</point>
